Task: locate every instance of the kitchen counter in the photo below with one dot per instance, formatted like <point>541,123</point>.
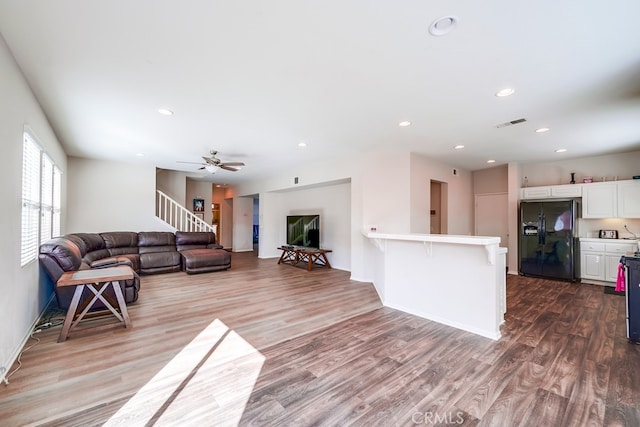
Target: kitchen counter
<point>455,280</point>
<point>597,239</point>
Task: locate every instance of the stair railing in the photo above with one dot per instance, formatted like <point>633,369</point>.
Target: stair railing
<point>179,217</point>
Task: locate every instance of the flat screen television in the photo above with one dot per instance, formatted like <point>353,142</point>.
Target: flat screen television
<point>303,230</point>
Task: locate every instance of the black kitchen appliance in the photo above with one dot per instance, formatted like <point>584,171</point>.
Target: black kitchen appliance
<point>632,294</point>
<point>548,243</point>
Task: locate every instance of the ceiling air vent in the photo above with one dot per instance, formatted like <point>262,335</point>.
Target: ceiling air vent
<point>512,122</point>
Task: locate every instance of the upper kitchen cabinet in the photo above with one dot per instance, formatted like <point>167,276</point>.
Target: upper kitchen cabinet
<point>619,199</point>
<point>551,191</point>
<point>629,199</point>
<point>600,200</point>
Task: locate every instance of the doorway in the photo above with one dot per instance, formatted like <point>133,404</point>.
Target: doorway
<point>256,224</point>
<point>438,208</point>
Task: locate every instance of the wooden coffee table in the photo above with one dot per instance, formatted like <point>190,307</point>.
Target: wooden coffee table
<point>312,257</point>
<point>97,281</point>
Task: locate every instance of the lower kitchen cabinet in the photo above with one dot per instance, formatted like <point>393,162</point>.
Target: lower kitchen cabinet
<point>599,260</point>
<point>592,265</point>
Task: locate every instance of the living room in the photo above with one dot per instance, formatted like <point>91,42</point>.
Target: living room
<point>109,194</point>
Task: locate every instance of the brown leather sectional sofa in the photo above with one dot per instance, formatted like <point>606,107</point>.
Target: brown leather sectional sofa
<point>146,252</point>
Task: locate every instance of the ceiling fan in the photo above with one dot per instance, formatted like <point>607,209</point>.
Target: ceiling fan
<point>212,163</point>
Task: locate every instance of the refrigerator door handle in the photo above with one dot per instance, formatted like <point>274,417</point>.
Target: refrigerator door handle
<point>544,229</point>
<point>540,231</point>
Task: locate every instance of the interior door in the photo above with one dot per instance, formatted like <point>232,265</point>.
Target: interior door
<point>491,216</point>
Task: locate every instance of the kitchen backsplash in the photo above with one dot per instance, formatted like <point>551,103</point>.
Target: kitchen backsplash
<point>591,227</point>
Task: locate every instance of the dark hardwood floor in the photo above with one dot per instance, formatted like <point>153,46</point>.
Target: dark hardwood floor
<point>329,354</point>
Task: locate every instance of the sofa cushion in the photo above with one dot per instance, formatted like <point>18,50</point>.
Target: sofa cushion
<point>120,239</point>
<point>131,260</point>
<point>156,241</point>
<point>87,242</point>
<point>160,262</point>
<point>204,260</point>
<point>186,240</point>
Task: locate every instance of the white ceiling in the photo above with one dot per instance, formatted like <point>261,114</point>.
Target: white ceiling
<point>254,78</point>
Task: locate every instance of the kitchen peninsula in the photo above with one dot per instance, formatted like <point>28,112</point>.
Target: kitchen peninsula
<point>455,280</point>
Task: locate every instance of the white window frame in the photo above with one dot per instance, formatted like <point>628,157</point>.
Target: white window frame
<point>41,186</point>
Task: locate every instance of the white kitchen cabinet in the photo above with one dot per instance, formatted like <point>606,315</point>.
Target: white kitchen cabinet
<point>551,191</point>
<point>592,260</point>
<point>611,267</point>
<point>599,259</point>
<point>600,200</point>
<point>629,199</point>
<point>592,266</point>
<point>569,190</point>
<point>535,192</point>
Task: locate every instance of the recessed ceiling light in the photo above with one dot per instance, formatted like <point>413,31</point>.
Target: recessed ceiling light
<point>404,123</point>
<point>302,144</point>
<point>165,112</point>
<point>561,150</point>
<point>508,91</point>
<point>459,147</point>
<point>542,130</point>
<point>140,154</point>
<point>491,161</point>
<point>443,25</point>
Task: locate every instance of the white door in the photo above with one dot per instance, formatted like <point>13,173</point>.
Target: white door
<point>491,217</point>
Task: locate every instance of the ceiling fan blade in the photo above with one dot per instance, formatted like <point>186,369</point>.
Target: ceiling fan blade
<point>233,164</point>
<point>210,160</point>
<point>227,167</point>
<point>193,163</point>
<point>201,167</point>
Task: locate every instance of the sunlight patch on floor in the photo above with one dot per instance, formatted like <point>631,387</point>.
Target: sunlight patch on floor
<point>209,381</point>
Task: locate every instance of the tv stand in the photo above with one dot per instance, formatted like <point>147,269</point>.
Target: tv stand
<point>310,256</point>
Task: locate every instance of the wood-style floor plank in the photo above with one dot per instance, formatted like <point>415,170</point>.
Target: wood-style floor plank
<point>328,354</point>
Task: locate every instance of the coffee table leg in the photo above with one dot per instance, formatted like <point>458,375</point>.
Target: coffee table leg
<point>326,260</point>
<point>121,303</point>
<point>70,313</point>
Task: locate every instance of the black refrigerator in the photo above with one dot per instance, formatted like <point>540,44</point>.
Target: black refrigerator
<point>548,243</point>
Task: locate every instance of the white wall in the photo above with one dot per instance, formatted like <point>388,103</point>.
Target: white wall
<point>197,189</point>
<point>333,204</point>
<point>243,224</point>
<point>622,165</point>
<point>386,191</point>
<point>23,294</point>
<point>111,196</point>
<point>491,180</point>
<point>459,209</point>
<point>513,185</point>
<point>173,184</point>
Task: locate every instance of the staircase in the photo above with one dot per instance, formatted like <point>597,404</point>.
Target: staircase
<point>179,217</point>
